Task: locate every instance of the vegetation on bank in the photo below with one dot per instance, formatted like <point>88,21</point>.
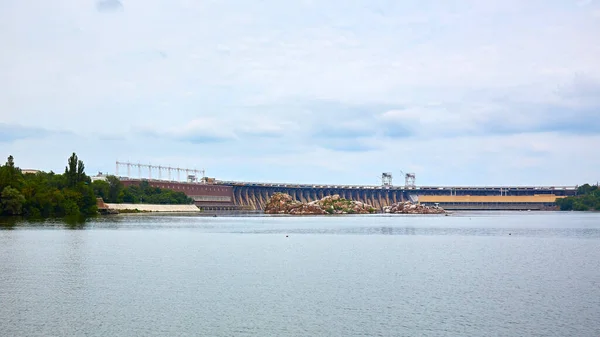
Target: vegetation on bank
<point>113,191</point>
<point>334,205</point>
<point>587,199</point>
<point>127,211</point>
<point>48,194</point>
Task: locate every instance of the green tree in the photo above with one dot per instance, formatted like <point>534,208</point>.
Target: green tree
<point>75,171</point>
<point>88,205</point>
<point>128,195</point>
<point>71,171</point>
<point>565,204</point>
<point>144,193</point>
<point>12,201</point>
<point>80,171</point>
<point>115,188</point>
<point>72,193</point>
<point>587,198</point>
<point>586,189</point>
<point>10,175</point>
<point>101,189</point>
<point>79,195</point>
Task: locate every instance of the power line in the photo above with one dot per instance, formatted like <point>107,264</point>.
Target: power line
<point>191,175</point>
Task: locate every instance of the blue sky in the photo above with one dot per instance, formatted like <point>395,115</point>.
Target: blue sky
<point>460,92</point>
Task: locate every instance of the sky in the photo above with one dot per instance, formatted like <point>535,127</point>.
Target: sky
<point>459,92</point>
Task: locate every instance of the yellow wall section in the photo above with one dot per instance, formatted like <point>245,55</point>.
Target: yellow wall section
<point>488,198</point>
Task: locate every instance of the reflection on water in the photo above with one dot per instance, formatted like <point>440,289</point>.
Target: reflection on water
<point>9,222</point>
<point>75,222</point>
<point>397,231</point>
<point>531,224</point>
<point>69,222</point>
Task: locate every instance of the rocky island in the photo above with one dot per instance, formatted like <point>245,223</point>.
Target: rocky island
<point>281,203</point>
<point>408,207</point>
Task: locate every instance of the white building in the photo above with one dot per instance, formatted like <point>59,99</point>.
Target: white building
<point>30,171</point>
<point>99,176</point>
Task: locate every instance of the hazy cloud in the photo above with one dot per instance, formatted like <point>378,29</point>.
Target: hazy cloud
<point>106,6</point>
<point>357,145</point>
<point>13,132</point>
<point>582,91</point>
<point>211,129</point>
<point>345,130</point>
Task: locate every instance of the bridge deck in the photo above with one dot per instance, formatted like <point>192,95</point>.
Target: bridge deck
<point>544,198</point>
<point>291,185</point>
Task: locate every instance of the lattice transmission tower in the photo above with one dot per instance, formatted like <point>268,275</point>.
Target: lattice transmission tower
<point>386,179</point>
<point>191,175</point>
<point>410,180</point>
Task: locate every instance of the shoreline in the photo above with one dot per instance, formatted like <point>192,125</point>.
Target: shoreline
<point>5,220</point>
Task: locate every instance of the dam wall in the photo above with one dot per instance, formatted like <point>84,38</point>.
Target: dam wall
<point>256,197</point>
<point>251,196</point>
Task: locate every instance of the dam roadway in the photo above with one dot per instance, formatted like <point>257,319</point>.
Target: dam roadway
<point>235,195</point>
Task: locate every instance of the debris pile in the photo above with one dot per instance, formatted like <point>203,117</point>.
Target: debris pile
<point>281,203</point>
<point>408,207</point>
<point>337,205</point>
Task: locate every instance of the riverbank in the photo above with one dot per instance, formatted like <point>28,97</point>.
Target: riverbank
<point>132,208</point>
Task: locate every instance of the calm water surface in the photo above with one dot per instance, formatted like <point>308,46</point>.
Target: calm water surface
<point>469,274</point>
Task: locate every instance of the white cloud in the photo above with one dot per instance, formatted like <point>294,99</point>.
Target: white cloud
<point>214,129</point>
<point>435,119</point>
<point>202,129</point>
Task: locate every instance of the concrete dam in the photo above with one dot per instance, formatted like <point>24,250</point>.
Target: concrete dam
<point>211,194</point>
<point>256,197</point>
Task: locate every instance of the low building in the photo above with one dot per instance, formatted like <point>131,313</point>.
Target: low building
<point>29,171</point>
<point>99,176</point>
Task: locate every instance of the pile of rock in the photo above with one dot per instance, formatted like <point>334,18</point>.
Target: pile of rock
<point>305,209</point>
<point>281,203</point>
<point>335,204</point>
<point>408,207</point>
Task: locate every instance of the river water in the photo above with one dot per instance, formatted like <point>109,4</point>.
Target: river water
<point>469,274</point>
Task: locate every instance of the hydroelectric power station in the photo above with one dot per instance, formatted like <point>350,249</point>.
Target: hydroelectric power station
<point>213,194</point>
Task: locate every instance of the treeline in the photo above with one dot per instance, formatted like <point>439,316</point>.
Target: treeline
<point>71,193</point>
<point>587,198</point>
<point>46,194</point>
<point>113,191</point>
